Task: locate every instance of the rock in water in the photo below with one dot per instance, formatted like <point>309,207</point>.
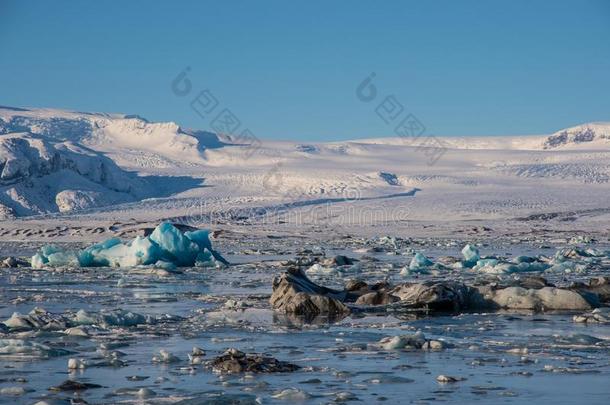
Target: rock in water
<point>294,293</point>
<point>543,299</point>
<point>71,385</point>
<point>235,361</point>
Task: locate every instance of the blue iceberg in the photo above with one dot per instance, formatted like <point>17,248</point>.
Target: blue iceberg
<point>420,263</point>
<point>167,246</point>
<point>471,255</point>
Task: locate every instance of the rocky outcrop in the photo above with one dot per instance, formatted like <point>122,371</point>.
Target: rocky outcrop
<point>599,286</point>
<point>294,293</point>
<point>542,299</point>
<point>436,296</point>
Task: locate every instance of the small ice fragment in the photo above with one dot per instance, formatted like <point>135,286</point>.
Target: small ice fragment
<point>471,255</point>
<point>164,357</point>
<point>76,364</point>
<point>420,262</point>
<point>444,379</point>
<point>291,394</point>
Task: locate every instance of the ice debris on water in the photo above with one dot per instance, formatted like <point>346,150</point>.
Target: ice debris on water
<point>166,248</point>
<point>598,315</point>
<point>76,364</point>
<point>196,356</point>
<point>419,263</point>
<point>18,349</point>
<point>164,357</point>
<point>471,255</point>
<point>415,341</point>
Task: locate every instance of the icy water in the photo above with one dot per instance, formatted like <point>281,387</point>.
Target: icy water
<point>497,357</point>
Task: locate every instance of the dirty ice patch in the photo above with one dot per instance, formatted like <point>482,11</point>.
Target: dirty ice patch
<point>166,246</point>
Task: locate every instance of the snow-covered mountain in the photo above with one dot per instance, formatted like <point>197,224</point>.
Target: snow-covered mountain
<point>64,161</point>
<point>40,175</point>
<point>588,134</point>
<point>111,132</point>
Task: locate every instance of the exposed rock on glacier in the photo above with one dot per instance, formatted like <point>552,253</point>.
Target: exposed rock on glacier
<point>579,134</point>
<point>166,245</point>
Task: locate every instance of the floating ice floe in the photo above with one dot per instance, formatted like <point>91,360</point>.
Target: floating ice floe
<point>319,270</point>
<point>416,341</point>
<point>166,248</point>
<point>598,315</point>
<point>520,264</point>
<point>17,349</point>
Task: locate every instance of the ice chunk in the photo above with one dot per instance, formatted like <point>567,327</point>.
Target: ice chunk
<point>164,357</point>
<point>162,264</point>
<point>53,256</point>
<point>84,318</point>
<point>202,239</point>
<point>166,247</point>
<point>419,263</point>
<point>319,270</point>
<point>17,349</point>
<point>471,255</point>
<point>414,341</point>
<point>520,264</point>
<point>120,317</point>
<point>175,246</point>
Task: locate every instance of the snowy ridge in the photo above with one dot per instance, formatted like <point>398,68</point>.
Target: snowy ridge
<point>111,133</point>
<point>64,161</point>
<point>589,134</point>
<point>37,175</point>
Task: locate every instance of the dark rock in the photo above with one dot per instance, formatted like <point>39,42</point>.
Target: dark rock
<point>71,385</point>
<point>599,286</point>
<point>339,260</point>
<point>437,296</point>
<point>376,298</point>
<point>356,286</point>
<point>294,293</point>
<point>235,361</point>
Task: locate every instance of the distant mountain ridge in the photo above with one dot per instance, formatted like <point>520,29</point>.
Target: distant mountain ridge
<point>63,161</point>
<point>580,134</point>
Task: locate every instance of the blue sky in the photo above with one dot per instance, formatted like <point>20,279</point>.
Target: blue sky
<point>290,70</point>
